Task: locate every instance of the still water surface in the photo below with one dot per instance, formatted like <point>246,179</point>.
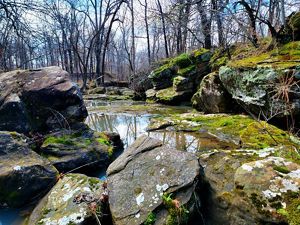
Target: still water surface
<point>121,117</point>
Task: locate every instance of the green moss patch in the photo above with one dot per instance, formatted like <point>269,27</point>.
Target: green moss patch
<point>183,64</point>
<point>283,57</point>
<point>65,140</point>
<point>166,95</point>
<point>151,218</point>
<point>251,133</point>
<point>282,169</point>
<point>293,212</point>
<point>262,135</point>
<point>228,124</point>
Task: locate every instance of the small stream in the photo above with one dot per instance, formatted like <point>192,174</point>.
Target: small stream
<point>129,119</point>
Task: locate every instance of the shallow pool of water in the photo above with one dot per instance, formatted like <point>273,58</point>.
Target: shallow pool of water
<point>132,124</point>
<point>130,120</point>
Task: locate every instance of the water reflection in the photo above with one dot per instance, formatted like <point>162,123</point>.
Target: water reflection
<point>128,126</point>
<point>131,126</point>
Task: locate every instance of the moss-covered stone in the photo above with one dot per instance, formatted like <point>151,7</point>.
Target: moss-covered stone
<point>181,83</point>
<point>68,150</point>
<point>24,175</point>
<point>190,65</point>
<point>59,205</point>
<point>263,90</point>
<point>212,97</point>
<point>262,135</point>
<point>170,96</point>
<point>241,130</point>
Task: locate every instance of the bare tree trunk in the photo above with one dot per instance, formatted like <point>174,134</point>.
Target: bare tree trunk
<point>162,16</point>
<point>205,24</point>
<point>282,12</point>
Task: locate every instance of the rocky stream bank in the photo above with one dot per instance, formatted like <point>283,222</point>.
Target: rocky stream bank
<point>180,166</point>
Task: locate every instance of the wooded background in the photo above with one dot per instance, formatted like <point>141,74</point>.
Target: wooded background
<point>90,38</point>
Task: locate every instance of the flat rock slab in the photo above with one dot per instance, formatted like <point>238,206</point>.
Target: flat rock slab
<point>138,179</point>
<point>58,206</point>
<point>24,175</point>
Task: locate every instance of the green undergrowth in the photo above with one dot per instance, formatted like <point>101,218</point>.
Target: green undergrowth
<point>151,218</point>
<point>177,213</point>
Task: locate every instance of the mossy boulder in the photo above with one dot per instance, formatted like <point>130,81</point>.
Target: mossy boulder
<point>263,89</point>
<point>162,77</point>
<point>192,65</point>
<point>44,99</point>
<point>151,95</point>
<point>181,83</point>
<point>24,175</point>
<point>127,92</point>
<point>75,199</point>
<point>212,97</point>
<point>171,97</point>
<point>250,186</point>
<point>165,185</point>
<point>68,150</point>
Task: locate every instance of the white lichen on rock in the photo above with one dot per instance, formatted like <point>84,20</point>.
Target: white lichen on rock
<point>247,167</point>
<point>17,168</point>
<point>270,194</point>
<point>294,174</point>
<point>140,199</point>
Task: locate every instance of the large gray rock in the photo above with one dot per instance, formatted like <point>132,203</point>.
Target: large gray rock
<point>144,175</point>
<point>252,187</point>
<point>212,97</point>
<point>264,89</point>
<point>59,205</point>
<point>24,175</point>
<point>39,100</point>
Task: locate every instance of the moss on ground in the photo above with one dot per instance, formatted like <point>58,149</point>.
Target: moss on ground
<point>283,57</point>
<point>251,133</point>
<point>262,135</point>
<point>282,169</point>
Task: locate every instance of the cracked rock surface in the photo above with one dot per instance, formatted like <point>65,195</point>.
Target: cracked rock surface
<point>145,172</point>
